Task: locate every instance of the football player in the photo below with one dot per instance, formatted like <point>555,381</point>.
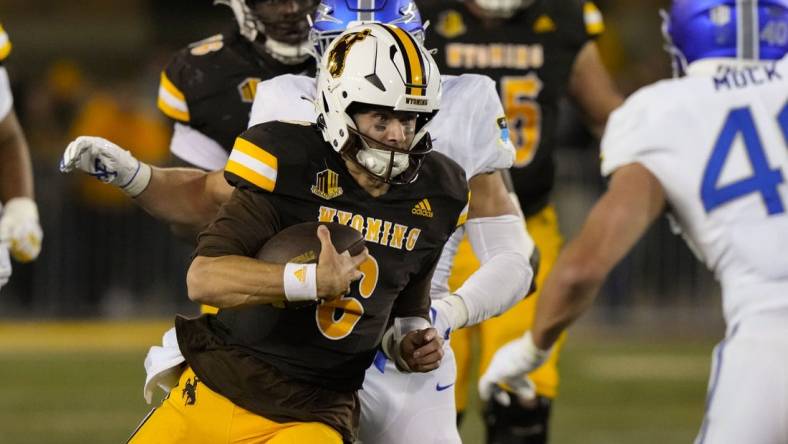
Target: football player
<point>537,51</point>
<point>268,374</point>
<point>392,410</point>
<point>710,149</point>
<point>402,407</point>
<point>20,232</point>
<point>207,88</point>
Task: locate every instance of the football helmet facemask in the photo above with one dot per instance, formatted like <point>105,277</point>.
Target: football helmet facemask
<point>747,30</point>
<point>373,66</point>
<point>285,26</point>
<point>332,17</point>
<point>502,8</point>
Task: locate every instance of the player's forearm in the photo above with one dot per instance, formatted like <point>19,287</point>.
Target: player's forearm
<point>504,248</point>
<point>569,291</point>
<point>179,197</point>
<point>234,281</point>
<point>16,173</point>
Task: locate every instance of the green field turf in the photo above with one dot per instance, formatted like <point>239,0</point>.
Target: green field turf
<point>82,383</point>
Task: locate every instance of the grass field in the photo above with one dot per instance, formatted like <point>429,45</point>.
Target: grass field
<point>82,383</point>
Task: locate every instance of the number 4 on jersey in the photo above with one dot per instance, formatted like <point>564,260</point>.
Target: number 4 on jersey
<point>763,180</point>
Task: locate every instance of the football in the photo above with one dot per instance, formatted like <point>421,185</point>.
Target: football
<point>299,243</point>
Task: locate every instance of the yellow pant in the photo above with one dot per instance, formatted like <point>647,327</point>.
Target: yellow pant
<point>192,413</point>
<point>496,332</point>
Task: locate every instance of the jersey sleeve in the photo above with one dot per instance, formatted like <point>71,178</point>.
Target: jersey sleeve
<point>632,134</point>
<point>261,156</point>
<point>578,20</point>
<point>196,148</point>
<point>414,299</point>
<point>5,45</point>
<point>493,150</point>
<point>593,20</point>
<point>172,100</point>
<point>241,227</point>
<point>287,97</point>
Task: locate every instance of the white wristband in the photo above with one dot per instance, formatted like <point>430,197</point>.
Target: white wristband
<point>300,282</point>
<point>139,181</point>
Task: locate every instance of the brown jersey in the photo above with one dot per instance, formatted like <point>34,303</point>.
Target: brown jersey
<point>286,174</point>
<point>530,57</point>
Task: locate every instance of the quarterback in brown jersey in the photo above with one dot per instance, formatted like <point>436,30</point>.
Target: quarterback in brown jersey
<point>367,164</point>
<point>537,51</point>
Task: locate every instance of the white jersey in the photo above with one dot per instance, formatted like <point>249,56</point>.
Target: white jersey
<point>717,142</point>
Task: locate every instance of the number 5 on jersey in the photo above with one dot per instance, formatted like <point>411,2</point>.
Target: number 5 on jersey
<point>764,180</point>
<point>337,318</point>
<point>519,94</point>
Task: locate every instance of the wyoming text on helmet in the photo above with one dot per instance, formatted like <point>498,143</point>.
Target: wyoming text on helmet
<point>377,65</point>
<point>748,30</point>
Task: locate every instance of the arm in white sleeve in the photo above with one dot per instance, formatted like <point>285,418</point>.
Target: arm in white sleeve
<point>504,248</point>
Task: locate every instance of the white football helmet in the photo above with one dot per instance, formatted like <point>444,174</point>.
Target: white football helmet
<point>377,65</point>
<point>502,8</point>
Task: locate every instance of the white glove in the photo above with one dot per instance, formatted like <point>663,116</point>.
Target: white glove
<point>19,229</point>
<point>5,265</point>
<point>106,162</point>
<point>510,366</point>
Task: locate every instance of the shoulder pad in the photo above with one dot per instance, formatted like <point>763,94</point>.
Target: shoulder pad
<point>5,44</point>
<point>633,129</point>
<point>263,151</point>
<point>286,97</point>
<point>181,71</point>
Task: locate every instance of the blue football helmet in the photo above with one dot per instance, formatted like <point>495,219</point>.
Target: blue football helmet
<point>741,29</point>
<point>332,17</point>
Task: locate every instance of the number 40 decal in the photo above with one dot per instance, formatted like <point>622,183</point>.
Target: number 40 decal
<point>764,180</point>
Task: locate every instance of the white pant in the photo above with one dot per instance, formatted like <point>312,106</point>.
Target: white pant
<point>405,408</point>
<point>748,390</point>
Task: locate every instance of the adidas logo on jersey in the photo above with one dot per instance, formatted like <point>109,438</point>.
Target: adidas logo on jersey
<point>422,208</point>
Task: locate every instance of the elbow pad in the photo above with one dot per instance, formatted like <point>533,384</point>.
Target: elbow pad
<point>504,249</point>
<point>393,338</point>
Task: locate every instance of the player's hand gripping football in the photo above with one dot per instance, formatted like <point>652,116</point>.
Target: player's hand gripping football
<point>422,350</point>
<point>106,162</point>
<point>509,369</point>
<point>20,231</point>
<point>335,272</point>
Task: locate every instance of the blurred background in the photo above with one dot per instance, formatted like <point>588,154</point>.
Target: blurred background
<point>75,324</point>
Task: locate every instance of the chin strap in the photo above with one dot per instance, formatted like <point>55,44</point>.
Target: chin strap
<point>377,161</point>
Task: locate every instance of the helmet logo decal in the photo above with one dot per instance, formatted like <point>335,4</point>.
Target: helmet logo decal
<point>338,54</point>
<point>415,74</point>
